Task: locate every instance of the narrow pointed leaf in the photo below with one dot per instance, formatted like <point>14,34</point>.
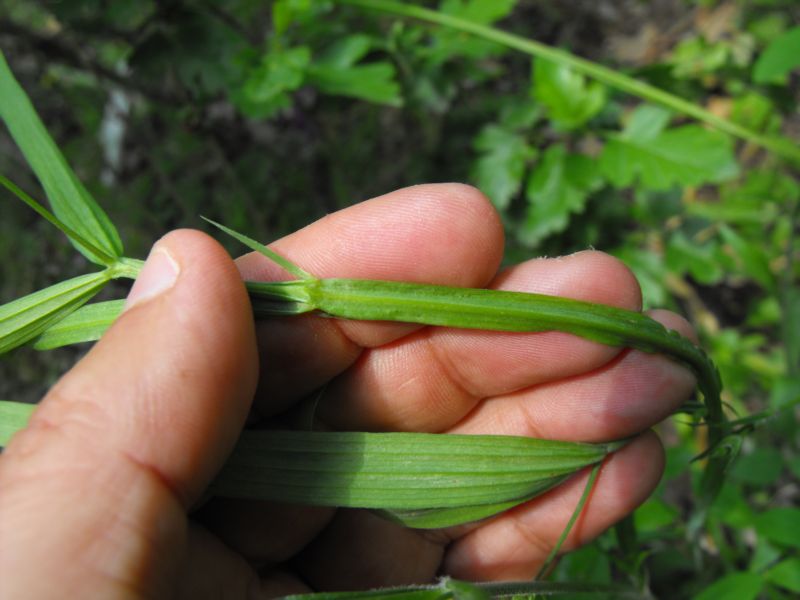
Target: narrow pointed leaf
<point>433,518</point>
<point>284,263</point>
<point>76,238</point>
<point>13,417</point>
<point>399,471</point>
<point>70,200</point>
<point>24,319</point>
<point>87,324</point>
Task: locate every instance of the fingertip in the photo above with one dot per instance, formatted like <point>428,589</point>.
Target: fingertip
<point>588,275</point>
<point>674,322</point>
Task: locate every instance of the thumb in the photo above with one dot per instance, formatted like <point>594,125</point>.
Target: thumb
<point>93,493</point>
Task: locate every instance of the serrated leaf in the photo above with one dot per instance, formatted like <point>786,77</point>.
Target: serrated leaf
<point>374,82</point>
<point>646,122</point>
<point>13,417</point>
<point>337,73</point>
<point>23,319</point>
<point>268,84</point>
<point>688,155</point>
<point>779,58</point>
<point>87,324</point>
<point>569,97</point>
<point>558,187</point>
<point>500,167</point>
<point>69,199</point>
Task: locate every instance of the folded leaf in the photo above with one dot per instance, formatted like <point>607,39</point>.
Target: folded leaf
<point>70,200</point>
<point>86,324</point>
<point>23,319</point>
<point>470,476</point>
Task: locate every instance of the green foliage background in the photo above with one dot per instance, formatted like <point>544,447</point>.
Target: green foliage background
<point>268,115</point>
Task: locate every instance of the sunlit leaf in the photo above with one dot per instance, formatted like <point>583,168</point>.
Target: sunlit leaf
<point>69,199</point>
<point>499,170</point>
<point>779,58</point>
<point>411,474</point>
<point>24,319</point>
<point>86,324</point>
<point>687,155</point>
<point>571,99</point>
<point>559,186</point>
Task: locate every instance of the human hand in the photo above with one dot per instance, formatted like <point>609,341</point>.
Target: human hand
<point>94,494</point>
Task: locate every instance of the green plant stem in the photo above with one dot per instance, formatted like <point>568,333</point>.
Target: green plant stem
<point>512,590</point>
<point>587,490</point>
<point>494,310</point>
<point>605,75</point>
<point>126,268</point>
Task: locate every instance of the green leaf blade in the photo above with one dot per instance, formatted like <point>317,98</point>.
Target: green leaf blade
<point>687,155</point>
<point>570,98</point>
<point>779,58</point>
<point>559,187</point>
<point>70,200</point>
<point>474,476</point>
<point>87,324</point>
<point>499,169</point>
<point>24,319</point>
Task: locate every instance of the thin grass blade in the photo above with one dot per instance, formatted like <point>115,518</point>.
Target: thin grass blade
<point>284,263</point>
<point>76,238</point>
<point>70,200</point>
<point>25,318</point>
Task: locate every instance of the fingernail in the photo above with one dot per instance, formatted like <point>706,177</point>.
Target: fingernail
<point>157,276</point>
